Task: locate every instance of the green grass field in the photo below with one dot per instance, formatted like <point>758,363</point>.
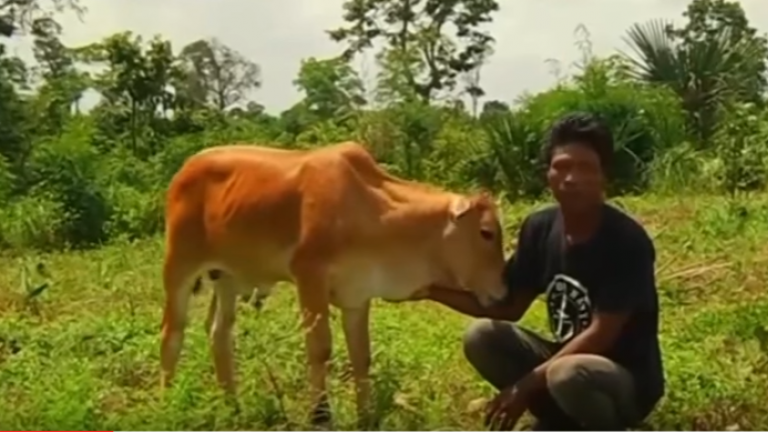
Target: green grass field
<point>84,354</point>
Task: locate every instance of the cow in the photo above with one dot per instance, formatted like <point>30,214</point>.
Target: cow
<point>329,220</point>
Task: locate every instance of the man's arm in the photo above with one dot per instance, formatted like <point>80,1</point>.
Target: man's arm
<point>615,303</point>
<point>465,302</point>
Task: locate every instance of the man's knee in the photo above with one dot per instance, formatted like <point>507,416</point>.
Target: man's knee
<point>486,337</point>
<point>493,348</point>
<point>593,390</point>
<point>477,337</point>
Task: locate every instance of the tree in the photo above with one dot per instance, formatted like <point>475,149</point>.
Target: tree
<point>25,15</point>
<point>136,85</point>
<point>217,75</point>
<point>61,84</point>
<point>705,71</point>
<point>494,107</point>
<point>14,122</point>
<point>331,87</point>
<point>707,18</point>
<point>472,88</point>
<point>419,56</point>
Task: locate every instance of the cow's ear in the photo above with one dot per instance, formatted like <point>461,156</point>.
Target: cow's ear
<point>486,194</point>
<point>459,207</point>
<point>485,200</point>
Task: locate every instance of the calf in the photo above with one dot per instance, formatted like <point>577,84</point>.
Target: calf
<point>332,222</point>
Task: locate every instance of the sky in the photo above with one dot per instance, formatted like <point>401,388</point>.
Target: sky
<point>277,35</point>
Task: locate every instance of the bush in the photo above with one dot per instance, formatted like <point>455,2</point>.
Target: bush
<point>105,188</point>
<point>646,121</point>
<point>34,222</point>
<point>66,172</point>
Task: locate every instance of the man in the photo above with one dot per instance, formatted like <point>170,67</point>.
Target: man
<point>595,264</point>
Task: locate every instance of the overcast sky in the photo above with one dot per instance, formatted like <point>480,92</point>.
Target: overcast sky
<point>278,34</point>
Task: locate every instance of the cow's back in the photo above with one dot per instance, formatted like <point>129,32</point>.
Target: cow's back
<point>233,205</point>
<point>249,206</point>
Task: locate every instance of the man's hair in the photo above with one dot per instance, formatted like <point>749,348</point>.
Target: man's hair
<point>585,129</point>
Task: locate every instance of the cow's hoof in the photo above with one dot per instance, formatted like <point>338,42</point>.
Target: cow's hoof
<point>321,417</point>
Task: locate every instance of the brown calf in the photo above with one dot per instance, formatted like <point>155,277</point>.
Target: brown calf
<point>332,222</point>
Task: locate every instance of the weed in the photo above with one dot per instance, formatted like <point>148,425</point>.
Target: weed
<point>86,355</point>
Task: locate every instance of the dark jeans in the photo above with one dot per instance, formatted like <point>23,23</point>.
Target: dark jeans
<point>584,391</point>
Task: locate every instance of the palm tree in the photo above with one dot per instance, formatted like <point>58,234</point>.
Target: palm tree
<point>705,73</point>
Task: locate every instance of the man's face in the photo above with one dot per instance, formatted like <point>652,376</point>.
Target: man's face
<point>575,176</point>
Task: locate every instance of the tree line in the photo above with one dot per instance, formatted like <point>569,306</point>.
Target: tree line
<point>687,104</point>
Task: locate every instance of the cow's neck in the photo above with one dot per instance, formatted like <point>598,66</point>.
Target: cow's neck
<point>416,217</point>
<point>417,223</point>
<point>406,191</point>
<point>419,214</point>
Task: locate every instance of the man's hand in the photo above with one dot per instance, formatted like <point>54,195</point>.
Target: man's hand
<point>504,411</point>
<point>466,302</point>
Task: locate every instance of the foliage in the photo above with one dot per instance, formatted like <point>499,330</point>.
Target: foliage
<point>420,58</point>
<point>216,75</point>
<point>706,75</point>
<point>84,353</point>
<point>686,104</point>
<point>673,103</point>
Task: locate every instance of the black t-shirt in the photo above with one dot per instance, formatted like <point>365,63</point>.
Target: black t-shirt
<point>613,271</point>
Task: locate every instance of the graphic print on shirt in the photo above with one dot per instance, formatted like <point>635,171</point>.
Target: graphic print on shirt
<point>568,307</point>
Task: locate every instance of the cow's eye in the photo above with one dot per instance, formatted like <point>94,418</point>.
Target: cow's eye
<point>486,234</point>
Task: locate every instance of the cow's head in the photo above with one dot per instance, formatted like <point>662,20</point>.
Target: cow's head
<point>472,247</point>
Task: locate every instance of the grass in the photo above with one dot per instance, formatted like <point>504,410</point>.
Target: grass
<point>83,353</point>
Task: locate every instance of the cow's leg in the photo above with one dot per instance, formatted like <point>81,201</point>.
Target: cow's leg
<point>178,283</point>
<point>261,295</point>
<point>314,304</point>
<point>211,314</point>
<point>356,332</point>
<point>226,288</point>
<point>256,297</point>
